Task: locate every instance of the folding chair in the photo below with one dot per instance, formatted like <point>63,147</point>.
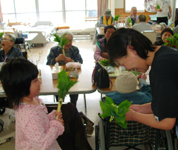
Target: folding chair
<point>150,34</point>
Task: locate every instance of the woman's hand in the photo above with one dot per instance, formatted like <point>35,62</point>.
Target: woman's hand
<point>143,76</point>
<point>60,57</point>
<point>129,115</point>
<point>159,10</point>
<point>68,59</point>
<point>102,58</point>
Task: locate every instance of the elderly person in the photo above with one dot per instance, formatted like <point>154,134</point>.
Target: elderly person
<point>106,19</point>
<point>8,50</point>
<point>101,52</point>
<point>71,55</point>
<point>142,25</point>
<point>166,33</point>
<point>133,17</point>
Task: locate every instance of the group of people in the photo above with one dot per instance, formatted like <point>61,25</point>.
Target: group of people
<point>154,105</point>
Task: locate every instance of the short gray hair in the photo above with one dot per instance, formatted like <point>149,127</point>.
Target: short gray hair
<point>67,32</point>
<point>142,18</point>
<point>12,37</point>
<point>133,7</point>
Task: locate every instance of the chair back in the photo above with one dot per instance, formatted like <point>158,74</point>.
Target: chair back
<point>150,34</point>
<point>20,40</point>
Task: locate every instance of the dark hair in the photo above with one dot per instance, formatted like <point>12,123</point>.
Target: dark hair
<point>121,38</point>
<point>167,30</point>
<point>16,76</point>
<point>142,18</point>
<point>108,27</point>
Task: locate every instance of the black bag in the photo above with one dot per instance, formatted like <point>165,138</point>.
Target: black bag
<point>100,76</point>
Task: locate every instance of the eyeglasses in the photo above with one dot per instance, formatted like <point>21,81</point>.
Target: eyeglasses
<point>6,39</point>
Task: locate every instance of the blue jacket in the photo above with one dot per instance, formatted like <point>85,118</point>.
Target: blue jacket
<point>138,97</point>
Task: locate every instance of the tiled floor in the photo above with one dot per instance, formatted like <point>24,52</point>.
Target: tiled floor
<point>86,50</point>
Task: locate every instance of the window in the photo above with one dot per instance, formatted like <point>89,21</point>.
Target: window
<point>56,11</point>
<point>137,3</point>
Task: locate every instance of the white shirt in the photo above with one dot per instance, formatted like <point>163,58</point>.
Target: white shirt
<point>164,5</point>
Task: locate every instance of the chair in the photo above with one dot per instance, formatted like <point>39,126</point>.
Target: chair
<point>150,34</point>
<point>21,41</point>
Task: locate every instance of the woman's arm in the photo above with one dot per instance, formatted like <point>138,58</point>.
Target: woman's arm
<point>149,119</point>
<point>144,108</point>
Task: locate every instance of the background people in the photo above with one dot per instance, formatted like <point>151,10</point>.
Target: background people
<point>106,19</point>
<point>142,25</point>
<point>166,33</point>
<point>164,12</point>
<point>101,52</point>
<point>8,50</point>
<point>133,17</point>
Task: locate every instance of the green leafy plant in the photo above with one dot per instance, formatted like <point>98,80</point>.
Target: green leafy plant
<point>1,34</point>
<point>134,72</point>
<point>157,6</point>
<point>172,41</point>
<point>61,41</point>
<point>130,22</point>
<point>116,112</point>
<point>105,62</point>
<point>116,17</point>
<point>64,84</point>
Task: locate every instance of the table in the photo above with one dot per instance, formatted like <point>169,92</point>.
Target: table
<point>30,37</point>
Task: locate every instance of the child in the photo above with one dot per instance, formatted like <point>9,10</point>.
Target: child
<point>35,129</point>
<point>126,85</point>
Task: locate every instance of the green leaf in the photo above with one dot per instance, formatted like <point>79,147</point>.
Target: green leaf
<point>125,103</point>
<point>1,34</point>
<point>116,17</point>
<point>157,6</point>
<point>109,100</point>
<point>129,20</point>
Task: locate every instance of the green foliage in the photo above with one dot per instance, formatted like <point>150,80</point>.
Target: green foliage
<point>105,62</point>
<point>172,41</point>
<point>1,34</point>
<point>157,6</point>
<point>134,72</point>
<point>64,84</point>
<point>129,20</point>
<point>116,17</point>
<point>116,112</point>
<point>61,40</point>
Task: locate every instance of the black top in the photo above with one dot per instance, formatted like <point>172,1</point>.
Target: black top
<point>164,83</point>
<point>160,42</point>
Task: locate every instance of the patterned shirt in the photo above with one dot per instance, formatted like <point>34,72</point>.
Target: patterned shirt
<point>56,50</point>
<point>13,53</point>
<point>35,129</point>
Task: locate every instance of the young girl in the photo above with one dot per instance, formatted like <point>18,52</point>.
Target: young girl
<point>35,129</point>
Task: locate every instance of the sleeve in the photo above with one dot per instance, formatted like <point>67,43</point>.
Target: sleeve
<point>33,127</point>
<point>51,115</point>
<point>101,22</point>
<point>77,56</point>
<point>97,54</point>
<point>51,58</point>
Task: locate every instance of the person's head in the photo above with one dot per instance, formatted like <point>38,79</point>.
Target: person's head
<point>126,82</point>
<point>108,30</point>
<point>107,13</point>
<point>129,48</point>
<point>134,11</point>
<point>19,79</point>
<point>166,33</point>
<point>142,18</point>
<point>69,37</point>
<point>8,41</point>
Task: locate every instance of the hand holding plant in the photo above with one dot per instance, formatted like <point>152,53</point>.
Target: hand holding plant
<point>116,112</point>
<point>64,84</point>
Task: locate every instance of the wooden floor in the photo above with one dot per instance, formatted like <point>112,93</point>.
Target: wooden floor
<point>86,50</point>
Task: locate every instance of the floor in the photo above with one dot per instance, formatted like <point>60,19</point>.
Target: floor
<point>38,55</point>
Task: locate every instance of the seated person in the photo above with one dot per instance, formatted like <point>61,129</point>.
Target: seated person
<point>106,19</point>
<point>126,85</point>
<point>8,50</point>
<point>142,25</point>
<point>101,52</point>
<point>175,31</point>
<point>176,18</point>
<point>71,55</point>
<point>166,33</point>
<point>133,17</point>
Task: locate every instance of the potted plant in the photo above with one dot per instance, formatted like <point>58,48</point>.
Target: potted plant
<point>64,84</point>
<point>116,19</point>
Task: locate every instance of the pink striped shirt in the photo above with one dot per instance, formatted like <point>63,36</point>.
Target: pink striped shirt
<point>35,129</point>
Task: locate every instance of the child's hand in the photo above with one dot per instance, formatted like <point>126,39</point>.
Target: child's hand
<point>142,76</point>
<point>59,117</point>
